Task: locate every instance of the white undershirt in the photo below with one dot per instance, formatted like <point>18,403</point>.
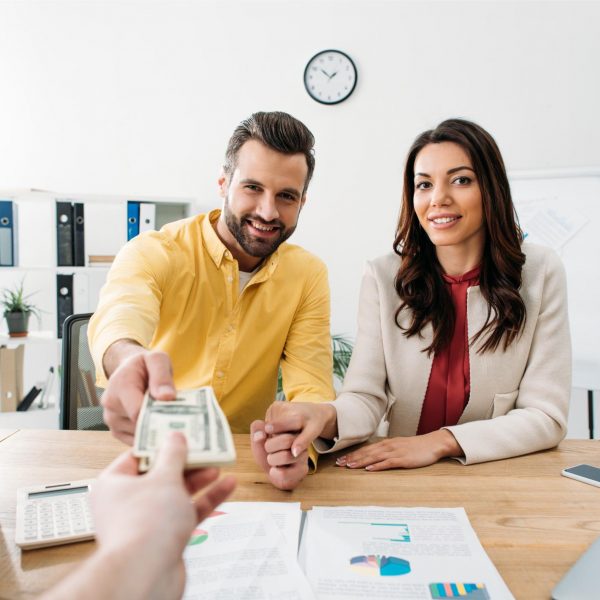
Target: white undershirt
<point>244,278</point>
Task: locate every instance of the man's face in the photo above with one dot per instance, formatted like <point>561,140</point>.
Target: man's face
<point>262,201</point>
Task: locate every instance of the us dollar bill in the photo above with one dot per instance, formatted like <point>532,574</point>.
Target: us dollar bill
<point>197,415</point>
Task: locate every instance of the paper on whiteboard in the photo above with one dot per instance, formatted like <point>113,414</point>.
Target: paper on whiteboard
<point>546,224</point>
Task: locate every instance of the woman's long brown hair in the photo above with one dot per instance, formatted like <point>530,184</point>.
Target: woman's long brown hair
<point>419,280</point>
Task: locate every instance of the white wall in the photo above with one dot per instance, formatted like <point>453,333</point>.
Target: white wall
<point>140,97</point>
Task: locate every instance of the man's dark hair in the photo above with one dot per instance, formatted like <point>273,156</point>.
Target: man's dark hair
<point>276,130</point>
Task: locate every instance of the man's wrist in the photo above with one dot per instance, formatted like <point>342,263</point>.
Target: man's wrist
<point>117,352</point>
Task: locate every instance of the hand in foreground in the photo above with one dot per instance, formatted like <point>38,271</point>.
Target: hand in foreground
<point>280,445</point>
<point>149,518</point>
<point>403,452</point>
<point>135,370</point>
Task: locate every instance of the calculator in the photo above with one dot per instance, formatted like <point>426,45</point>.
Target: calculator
<point>49,515</point>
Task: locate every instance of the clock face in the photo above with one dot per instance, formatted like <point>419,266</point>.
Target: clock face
<point>330,77</point>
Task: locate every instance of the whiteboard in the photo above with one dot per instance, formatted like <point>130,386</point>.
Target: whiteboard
<point>561,209</point>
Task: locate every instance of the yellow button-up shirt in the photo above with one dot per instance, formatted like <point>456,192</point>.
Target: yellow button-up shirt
<point>177,290</point>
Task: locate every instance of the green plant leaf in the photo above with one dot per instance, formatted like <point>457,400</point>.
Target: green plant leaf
<point>342,352</point>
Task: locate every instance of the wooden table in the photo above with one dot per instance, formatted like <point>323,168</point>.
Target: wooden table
<point>6,433</point>
<point>532,522</point>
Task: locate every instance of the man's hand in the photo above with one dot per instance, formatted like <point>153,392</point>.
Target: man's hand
<point>153,515</point>
<point>403,452</point>
<point>280,445</point>
<point>132,370</point>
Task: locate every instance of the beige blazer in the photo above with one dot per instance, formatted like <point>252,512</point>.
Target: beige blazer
<point>519,398</point>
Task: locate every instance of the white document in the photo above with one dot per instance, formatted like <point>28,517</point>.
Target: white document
<point>246,550</point>
<point>399,553</point>
<point>546,223</point>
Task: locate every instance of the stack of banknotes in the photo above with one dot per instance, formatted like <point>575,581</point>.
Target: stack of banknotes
<point>194,413</point>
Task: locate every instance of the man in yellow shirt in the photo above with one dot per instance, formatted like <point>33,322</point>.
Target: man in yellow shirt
<point>219,299</point>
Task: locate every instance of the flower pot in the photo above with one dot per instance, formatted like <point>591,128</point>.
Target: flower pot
<point>18,323</point>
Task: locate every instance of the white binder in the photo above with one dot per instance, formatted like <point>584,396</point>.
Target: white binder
<point>147,216</point>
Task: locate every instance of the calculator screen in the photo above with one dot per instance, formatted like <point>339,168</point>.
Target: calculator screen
<point>75,490</point>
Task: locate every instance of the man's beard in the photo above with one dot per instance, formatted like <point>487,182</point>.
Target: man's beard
<point>255,246</point>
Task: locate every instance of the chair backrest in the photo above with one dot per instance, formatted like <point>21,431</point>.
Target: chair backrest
<point>80,398</point>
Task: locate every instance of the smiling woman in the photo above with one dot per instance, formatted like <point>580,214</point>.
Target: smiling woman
<point>463,341</point>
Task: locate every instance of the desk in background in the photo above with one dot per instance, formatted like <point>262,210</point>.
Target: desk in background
<point>532,522</point>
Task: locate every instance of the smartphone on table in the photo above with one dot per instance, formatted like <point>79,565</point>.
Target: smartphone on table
<point>583,473</point>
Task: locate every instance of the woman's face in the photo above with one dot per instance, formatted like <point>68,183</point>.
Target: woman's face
<point>447,200</point>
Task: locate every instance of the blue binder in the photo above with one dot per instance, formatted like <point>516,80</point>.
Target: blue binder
<point>7,234</point>
<point>133,219</point>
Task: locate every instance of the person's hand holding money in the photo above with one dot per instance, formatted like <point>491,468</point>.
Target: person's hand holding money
<point>131,370</point>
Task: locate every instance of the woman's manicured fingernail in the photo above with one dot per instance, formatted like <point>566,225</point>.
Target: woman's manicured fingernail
<point>257,436</point>
<point>368,467</point>
<point>269,428</point>
<point>296,452</point>
<point>351,465</point>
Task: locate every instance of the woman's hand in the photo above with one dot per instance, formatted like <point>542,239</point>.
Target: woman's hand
<point>403,452</point>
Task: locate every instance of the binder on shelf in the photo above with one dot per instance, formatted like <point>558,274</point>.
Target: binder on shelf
<point>133,219</point>
<point>64,234</point>
<point>78,238</point>
<point>64,300</point>
<point>147,216</point>
<point>11,376</point>
<point>8,230</point>
<point>31,395</point>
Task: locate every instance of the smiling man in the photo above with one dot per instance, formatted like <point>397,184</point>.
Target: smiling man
<point>219,299</point>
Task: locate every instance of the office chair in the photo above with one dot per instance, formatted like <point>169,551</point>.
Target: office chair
<point>80,398</point>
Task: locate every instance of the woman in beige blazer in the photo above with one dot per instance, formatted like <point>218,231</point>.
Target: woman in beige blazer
<point>501,353</point>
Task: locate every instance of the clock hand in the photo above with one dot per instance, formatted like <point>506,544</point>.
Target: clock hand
<point>326,73</point>
<point>332,76</point>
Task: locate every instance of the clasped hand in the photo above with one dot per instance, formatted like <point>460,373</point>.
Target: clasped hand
<point>280,443</point>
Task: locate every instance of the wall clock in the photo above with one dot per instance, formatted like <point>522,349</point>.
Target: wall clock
<point>330,77</point>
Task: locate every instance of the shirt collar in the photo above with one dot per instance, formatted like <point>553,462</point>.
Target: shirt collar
<point>219,252</point>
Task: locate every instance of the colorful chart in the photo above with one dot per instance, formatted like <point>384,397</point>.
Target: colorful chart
<point>376,565</point>
<point>200,535</point>
<point>472,591</point>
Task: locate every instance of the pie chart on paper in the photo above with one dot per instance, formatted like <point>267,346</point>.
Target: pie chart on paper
<point>199,536</point>
<point>376,565</point>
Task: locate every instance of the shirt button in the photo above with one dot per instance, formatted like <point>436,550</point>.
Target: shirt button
<point>230,278</point>
<point>220,374</point>
<point>227,254</point>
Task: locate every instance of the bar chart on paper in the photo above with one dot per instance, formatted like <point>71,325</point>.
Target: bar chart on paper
<point>472,591</point>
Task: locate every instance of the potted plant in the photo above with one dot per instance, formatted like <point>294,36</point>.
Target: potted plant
<point>342,351</point>
<point>17,310</point>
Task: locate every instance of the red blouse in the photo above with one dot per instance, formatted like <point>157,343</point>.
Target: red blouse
<point>450,383</point>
